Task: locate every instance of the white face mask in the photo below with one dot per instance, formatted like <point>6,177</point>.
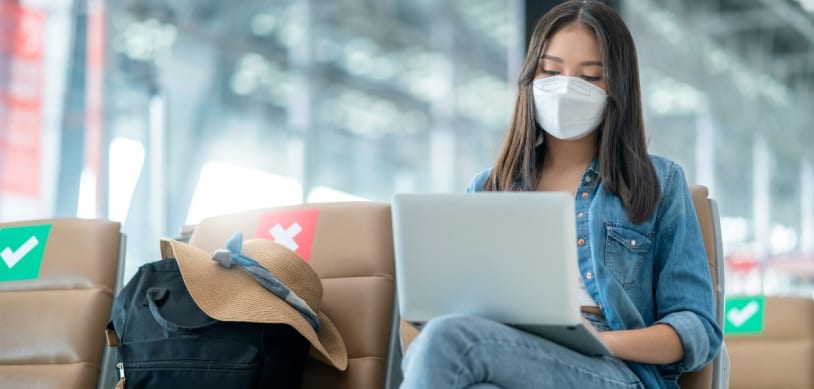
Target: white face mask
<point>568,107</point>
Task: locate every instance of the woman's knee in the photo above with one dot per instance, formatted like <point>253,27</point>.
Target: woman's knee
<point>444,325</point>
<point>456,332</point>
<point>443,340</point>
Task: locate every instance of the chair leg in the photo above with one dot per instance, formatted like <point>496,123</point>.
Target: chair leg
<point>106,369</point>
<point>105,380</point>
<point>393,375</point>
<point>720,370</point>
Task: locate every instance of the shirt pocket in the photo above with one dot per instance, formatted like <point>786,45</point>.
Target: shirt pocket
<point>625,251</point>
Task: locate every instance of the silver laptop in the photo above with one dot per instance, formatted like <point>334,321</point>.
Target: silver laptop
<point>510,257</point>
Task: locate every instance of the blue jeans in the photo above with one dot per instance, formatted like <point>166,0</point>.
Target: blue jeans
<point>470,352</point>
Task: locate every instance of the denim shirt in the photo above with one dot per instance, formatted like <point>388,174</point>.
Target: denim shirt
<point>649,273</point>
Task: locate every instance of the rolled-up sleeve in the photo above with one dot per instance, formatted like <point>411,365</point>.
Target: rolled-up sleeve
<point>697,344</point>
<point>684,294</point>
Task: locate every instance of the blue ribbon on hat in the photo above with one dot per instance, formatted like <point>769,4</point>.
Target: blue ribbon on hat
<point>232,255</point>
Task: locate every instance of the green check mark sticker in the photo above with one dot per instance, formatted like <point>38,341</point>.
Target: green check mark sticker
<point>744,315</point>
<point>21,251</point>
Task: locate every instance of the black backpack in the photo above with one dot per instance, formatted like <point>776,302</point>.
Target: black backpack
<point>163,340</point>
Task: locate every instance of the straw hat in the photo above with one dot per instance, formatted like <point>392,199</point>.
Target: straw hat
<point>233,294</point>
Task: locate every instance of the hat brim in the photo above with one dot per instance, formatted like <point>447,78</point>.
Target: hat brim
<point>234,295</point>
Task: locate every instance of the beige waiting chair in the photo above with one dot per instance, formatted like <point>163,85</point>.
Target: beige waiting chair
<point>715,374</point>
<point>52,327</point>
<point>782,356</point>
<point>352,252</point>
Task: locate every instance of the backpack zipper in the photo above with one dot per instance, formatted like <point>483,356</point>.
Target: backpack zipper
<point>120,384</point>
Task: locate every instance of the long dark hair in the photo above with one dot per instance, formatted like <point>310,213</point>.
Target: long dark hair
<point>625,167</point>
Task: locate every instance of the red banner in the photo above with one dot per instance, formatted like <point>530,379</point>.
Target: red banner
<point>21,88</point>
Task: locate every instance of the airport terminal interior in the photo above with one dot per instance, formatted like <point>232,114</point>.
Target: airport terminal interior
<point>159,114</point>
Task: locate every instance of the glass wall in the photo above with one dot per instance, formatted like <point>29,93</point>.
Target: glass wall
<point>728,92</point>
<point>278,102</point>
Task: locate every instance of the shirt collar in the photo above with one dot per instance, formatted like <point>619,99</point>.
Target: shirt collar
<point>593,167</point>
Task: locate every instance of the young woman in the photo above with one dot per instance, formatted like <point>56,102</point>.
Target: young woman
<point>578,128</point>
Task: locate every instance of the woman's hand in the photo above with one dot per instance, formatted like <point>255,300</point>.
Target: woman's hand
<point>657,344</point>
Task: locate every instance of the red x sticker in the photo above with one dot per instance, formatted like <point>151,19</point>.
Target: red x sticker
<point>293,229</point>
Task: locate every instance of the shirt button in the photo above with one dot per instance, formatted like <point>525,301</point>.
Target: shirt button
<point>584,195</point>
<point>581,242</point>
<point>633,243</point>
<point>589,275</point>
<point>588,179</point>
<point>580,214</point>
